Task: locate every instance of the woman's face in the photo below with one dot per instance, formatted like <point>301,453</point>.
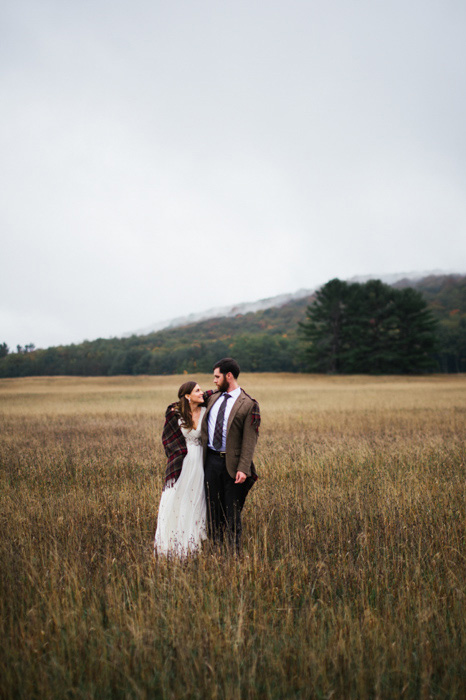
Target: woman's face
<point>196,396</point>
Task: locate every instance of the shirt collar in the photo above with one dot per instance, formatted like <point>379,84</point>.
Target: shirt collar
<point>234,394</point>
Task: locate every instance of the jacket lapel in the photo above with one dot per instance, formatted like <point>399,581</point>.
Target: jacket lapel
<point>215,398</point>
<point>234,410</point>
<point>205,428</point>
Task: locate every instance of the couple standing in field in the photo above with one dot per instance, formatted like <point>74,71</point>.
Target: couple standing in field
<point>209,439</point>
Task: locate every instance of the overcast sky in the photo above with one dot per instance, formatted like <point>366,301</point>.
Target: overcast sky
<point>164,157</point>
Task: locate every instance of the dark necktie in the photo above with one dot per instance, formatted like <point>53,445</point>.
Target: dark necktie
<point>218,431</point>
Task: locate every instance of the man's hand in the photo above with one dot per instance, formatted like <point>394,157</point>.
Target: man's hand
<point>240,477</point>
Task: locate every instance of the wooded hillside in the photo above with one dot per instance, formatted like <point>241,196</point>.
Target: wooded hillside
<point>262,341</point>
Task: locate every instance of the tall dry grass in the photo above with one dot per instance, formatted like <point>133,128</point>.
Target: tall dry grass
<point>353,579</point>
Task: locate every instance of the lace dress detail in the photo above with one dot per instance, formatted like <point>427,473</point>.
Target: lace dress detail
<point>181,524</point>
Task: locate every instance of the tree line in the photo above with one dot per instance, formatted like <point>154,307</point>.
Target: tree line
<point>255,353</point>
<point>345,328</point>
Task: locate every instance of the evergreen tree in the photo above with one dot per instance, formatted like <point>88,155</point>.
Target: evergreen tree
<point>325,327</point>
<point>416,341</point>
<point>369,328</point>
<point>373,323</point>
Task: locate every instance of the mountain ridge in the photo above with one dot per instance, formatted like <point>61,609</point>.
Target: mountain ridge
<point>275,302</point>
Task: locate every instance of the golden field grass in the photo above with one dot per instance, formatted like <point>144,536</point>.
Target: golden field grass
<point>352,582</point>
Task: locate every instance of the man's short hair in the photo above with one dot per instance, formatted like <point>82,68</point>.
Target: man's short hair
<point>228,364</point>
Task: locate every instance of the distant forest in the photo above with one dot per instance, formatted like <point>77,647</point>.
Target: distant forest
<point>264,341</point>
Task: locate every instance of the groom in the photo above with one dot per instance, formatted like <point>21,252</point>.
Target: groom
<point>229,434</point>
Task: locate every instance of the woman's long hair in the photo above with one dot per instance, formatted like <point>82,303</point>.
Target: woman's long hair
<point>184,409</point>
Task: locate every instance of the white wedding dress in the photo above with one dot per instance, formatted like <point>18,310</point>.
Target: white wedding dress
<point>181,523</point>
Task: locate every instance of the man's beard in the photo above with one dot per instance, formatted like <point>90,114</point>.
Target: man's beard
<point>223,386</point>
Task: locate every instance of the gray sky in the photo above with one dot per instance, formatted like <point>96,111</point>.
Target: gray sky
<point>146,146</point>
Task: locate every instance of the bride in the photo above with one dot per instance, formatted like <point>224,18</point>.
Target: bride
<point>181,524</point>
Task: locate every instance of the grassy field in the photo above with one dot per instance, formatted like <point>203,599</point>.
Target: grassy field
<point>353,579</point>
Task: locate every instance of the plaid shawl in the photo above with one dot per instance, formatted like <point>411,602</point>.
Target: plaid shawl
<point>255,414</point>
<point>174,443</point>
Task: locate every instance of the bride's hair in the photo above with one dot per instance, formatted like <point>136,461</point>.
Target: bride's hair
<point>184,409</point>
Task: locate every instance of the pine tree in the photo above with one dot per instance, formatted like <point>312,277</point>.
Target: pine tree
<point>369,328</point>
<point>416,341</point>
<point>324,327</point>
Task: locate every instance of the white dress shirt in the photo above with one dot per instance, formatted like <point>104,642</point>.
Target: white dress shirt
<point>212,419</point>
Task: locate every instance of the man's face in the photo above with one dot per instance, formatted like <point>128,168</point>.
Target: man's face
<point>220,380</point>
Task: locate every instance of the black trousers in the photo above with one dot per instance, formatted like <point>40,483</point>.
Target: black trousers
<point>224,500</point>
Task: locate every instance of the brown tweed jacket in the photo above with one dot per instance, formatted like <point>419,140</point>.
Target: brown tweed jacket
<point>242,432</point>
